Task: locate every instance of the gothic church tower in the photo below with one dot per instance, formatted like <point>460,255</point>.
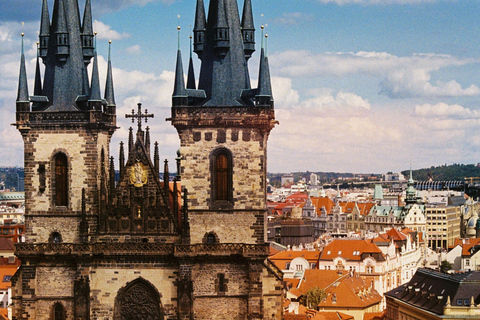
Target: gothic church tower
<point>66,127</point>
<point>139,247</point>
<point>223,127</point>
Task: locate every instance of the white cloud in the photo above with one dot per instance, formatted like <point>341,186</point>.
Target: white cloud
<point>105,32</point>
<point>443,110</point>
<point>291,18</point>
<point>398,77</point>
<point>136,49</point>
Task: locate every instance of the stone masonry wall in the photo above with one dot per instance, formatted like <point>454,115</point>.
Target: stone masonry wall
<point>209,304</point>
<point>248,149</point>
<point>83,148</point>
<point>105,282</point>
<point>245,223</point>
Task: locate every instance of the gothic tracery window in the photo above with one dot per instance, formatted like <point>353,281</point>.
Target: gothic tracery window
<point>138,301</point>
<point>61,180</point>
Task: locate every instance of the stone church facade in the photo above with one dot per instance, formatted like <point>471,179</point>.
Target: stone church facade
<point>142,247</point>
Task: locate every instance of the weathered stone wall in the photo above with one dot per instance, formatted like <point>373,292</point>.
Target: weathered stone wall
<point>272,294</point>
<point>82,148</point>
<point>245,223</point>
<point>248,149</point>
<point>209,303</point>
<point>106,281</point>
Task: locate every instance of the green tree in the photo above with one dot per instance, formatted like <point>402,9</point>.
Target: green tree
<point>445,266</point>
<point>313,297</point>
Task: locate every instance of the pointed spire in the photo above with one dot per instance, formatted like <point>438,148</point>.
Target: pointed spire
<point>156,159</point>
<point>44,29</point>
<point>130,141</point>
<point>179,92</point>
<point>221,38</point>
<point>147,140</point>
<point>109,92</point>
<point>95,87</point>
<point>121,157</point>
<point>248,29</point>
<point>37,91</point>
<point>87,33</point>
<point>60,30</point>
<point>199,28</point>
<point>111,180</point>
<point>264,93</point>
<point>22,95</point>
<point>191,72</point>
<point>87,25</point>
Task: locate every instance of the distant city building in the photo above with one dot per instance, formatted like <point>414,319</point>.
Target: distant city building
<point>431,295</point>
<point>393,177</point>
<point>313,179</point>
<point>287,180</point>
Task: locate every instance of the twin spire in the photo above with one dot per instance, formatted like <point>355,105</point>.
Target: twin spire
<point>224,44</point>
<point>66,47</point>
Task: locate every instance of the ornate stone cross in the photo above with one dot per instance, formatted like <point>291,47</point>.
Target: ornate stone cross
<point>139,116</point>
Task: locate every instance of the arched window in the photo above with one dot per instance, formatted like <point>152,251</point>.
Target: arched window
<point>138,300</point>
<point>211,238</point>
<point>222,178</point>
<point>55,238</point>
<point>61,180</point>
<point>58,312</point>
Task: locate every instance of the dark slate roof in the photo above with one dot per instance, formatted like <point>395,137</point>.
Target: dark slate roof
<point>429,290</point>
<point>223,78</point>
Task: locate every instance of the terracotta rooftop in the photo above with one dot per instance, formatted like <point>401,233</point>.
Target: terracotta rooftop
<point>349,249</point>
<point>282,258</point>
<point>344,290</point>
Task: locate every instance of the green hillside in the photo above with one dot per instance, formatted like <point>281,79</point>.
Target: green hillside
<point>455,172</point>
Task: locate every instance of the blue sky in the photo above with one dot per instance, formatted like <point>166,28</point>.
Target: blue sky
<point>359,85</point>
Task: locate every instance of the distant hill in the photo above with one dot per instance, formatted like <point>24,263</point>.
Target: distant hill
<point>454,172</point>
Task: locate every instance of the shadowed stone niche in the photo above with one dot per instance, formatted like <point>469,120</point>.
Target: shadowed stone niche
<point>138,300</point>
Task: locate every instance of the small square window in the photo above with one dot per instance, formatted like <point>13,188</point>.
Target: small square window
<point>7,278</point>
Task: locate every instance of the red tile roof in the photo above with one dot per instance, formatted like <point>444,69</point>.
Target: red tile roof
<point>348,249</point>
<point>282,258</point>
<point>6,244</point>
<point>322,202</point>
<point>344,290</point>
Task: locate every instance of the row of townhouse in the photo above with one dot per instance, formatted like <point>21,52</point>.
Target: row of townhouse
<point>386,261</point>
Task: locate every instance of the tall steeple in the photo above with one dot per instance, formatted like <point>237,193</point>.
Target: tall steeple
<point>191,73</point>
<point>87,33</point>
<point>224,44</point>
<point>65,52</point>
<point>264,93</point>
<point>179,91</point>
<point>95,87</point>
<point>199,29</point>
<point>44,30</point>
<point>22,94</point>
<point>109,92</point>
<point>37,90</point>
<point>248,29</point>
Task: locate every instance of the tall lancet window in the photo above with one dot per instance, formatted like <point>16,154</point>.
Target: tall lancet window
<point>58,312</point>
<point>61,180</point>
<point>221,178</point>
